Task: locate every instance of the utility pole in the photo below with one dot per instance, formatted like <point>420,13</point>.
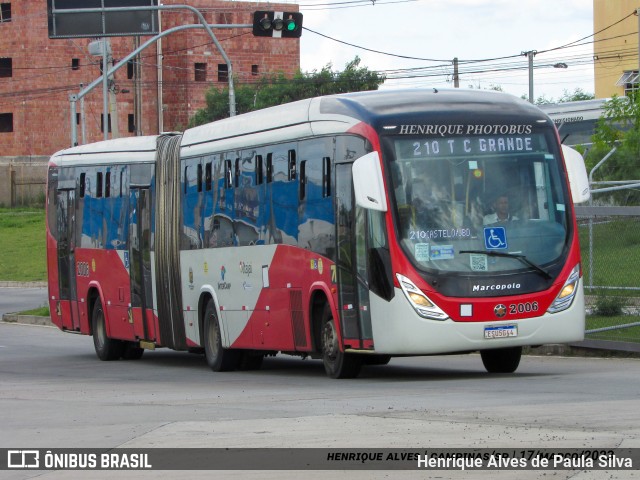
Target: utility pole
<point>456,77</point>
<point>530,54</point>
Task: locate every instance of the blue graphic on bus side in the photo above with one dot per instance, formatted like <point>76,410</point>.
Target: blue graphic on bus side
<point>495,238</point>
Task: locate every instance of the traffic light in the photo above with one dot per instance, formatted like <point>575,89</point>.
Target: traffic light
<point>277,24</point>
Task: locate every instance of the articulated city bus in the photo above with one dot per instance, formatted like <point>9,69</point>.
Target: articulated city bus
<point>351,228</point>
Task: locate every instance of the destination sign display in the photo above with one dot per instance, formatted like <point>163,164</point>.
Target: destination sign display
<point>481,145</point>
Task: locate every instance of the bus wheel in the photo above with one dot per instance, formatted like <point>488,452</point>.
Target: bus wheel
<point>501,360</point>
<point>131,351</point>
<point>218,358</point>
<point>106,348</point>
<point>337,363</point>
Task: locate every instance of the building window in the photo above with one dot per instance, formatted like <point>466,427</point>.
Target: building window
<point>75,64</point>
<point>6,122</point>
<point>5,12</point>
<point>102,122</point>
<point>132,122</point>
<point>201,72</point>
<point>6,67</point>
<point>78,119</point>
<point>131,69</point>
<point>223,72</point>
<point>630,81</point>
<point>255,70</point>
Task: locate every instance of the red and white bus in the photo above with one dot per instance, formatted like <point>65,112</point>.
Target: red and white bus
<point>351,228</point>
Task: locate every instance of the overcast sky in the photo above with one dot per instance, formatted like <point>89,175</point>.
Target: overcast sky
<point>439,30</point>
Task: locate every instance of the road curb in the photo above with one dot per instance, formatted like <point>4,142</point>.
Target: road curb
<point>6,284</point>
<point>27,319</point>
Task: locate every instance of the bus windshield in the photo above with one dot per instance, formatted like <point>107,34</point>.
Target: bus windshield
<point>479,203</point>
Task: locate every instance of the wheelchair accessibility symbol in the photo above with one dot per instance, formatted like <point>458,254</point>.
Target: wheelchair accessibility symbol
<point>495,238</point>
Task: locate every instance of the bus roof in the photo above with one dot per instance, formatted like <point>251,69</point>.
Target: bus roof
<point>328,115</point>
<point>119,150</point>
<point>339,113</point>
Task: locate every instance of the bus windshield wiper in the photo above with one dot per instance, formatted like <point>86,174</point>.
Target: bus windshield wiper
<point>517,256</point>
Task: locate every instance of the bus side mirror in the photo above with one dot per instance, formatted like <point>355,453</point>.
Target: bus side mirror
<point>368,184</point>
<point>578,179</point>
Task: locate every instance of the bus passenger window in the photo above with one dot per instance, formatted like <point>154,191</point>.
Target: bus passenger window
<point>99,185</point>
<point>228,182</point>
<point>303,179</point>
<point>207,177</point>
<point>326,177</point>
<point>258,167</point>
<point>83,183</point>
<point>107,186</point>
<point>269,167</point>
<point>292,165</point>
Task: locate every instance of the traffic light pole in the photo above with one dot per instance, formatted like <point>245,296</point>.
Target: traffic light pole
<point>203,24</point>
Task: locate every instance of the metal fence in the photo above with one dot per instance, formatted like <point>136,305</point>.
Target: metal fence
<point>610,244</point>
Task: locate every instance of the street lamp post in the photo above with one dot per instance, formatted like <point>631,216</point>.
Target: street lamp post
<point>530,54</point>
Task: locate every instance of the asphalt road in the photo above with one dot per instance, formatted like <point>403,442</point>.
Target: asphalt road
<point>17,299</point>
<point>56,393</point>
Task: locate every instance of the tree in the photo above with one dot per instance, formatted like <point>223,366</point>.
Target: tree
<point>619,126</point>
<point>577,95</point>
<point>278,89</point>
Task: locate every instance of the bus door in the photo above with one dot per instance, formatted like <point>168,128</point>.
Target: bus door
<point>141,311</point>
<point>66,218</point>
<point>352,267</point>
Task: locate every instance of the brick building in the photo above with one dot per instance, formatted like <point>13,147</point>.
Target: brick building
<point>37,74</point>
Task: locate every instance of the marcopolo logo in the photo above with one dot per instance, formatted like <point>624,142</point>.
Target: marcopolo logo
<point>491,288</point>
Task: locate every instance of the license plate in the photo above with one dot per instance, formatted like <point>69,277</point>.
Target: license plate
<point>501,331</point>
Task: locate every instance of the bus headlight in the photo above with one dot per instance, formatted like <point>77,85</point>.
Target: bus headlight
<point>419,301</point>
<point>568,292</point>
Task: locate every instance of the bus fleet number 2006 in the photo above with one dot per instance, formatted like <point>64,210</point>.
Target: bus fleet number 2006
<point>526,307</point>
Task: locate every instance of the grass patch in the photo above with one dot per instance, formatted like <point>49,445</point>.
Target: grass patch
<point>37,312</point>
<point>627,334</point>
<point>616,254</point>
<point>23,240</point>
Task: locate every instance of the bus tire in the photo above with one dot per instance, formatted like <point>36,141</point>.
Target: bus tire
<point>106,348</point>
<point>501,360</point>
<point>219,359</point>
<point>337,364</point>
<point>131,351</point>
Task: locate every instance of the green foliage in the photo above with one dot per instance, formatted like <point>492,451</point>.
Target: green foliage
<point>619,126</point>
<point>278,89</point>
<point>23,240</point>
<point>37,312</point>
<point>577,95</point>
<point>609,306</point>
<point>619,120</point>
